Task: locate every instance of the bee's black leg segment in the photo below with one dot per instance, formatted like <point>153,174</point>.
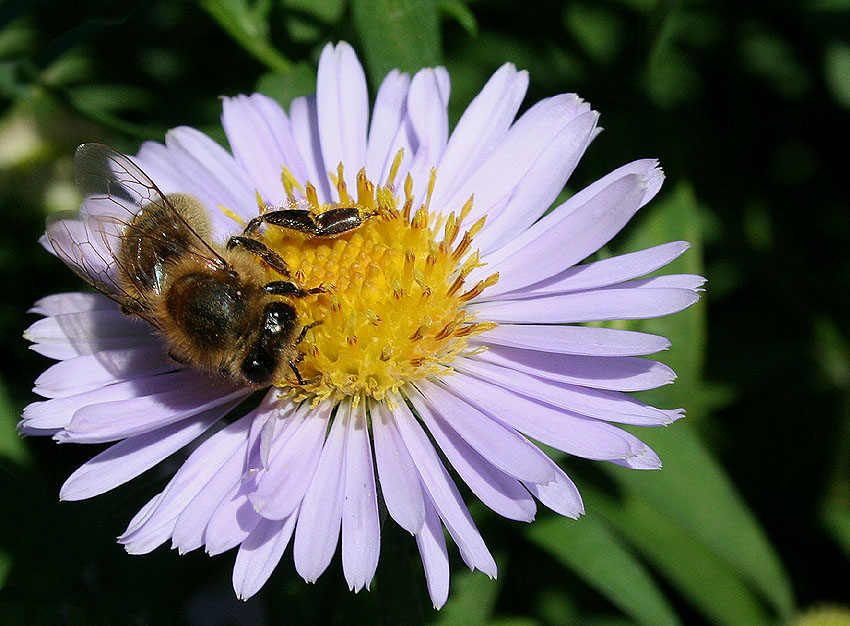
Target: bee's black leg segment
<point>287,288</point>
<point>332,222</point>
<point>270,257</point>
<point>295,371</point>
<point>304,330</point>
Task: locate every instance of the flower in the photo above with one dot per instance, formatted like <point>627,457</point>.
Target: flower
<point>451,319</point>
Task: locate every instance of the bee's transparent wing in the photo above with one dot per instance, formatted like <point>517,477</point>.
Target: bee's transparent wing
<point>114,190</point>
<point>104,173</point>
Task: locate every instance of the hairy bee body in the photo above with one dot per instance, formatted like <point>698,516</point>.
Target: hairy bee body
<point>151,252</point>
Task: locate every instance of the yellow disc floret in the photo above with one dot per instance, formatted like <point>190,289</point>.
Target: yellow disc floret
<point>393,307</point>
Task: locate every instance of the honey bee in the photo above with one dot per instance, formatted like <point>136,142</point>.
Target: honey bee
<point>152,253</point>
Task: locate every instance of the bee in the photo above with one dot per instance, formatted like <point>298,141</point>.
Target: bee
<point>152,253</point>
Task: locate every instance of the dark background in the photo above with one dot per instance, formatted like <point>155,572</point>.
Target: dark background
<point>746,105</point>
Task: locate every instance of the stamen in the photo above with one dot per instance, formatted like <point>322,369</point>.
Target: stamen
<point>392,309</point>
<point>290,183</point>
<point>312,196</point>
<point>394,168</point>
<point>235,217</point>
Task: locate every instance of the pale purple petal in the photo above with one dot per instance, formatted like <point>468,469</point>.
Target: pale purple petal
<point>643,458</point>
<point>566,431</point>
<point>343,110</point>
<point>645,170</point>
<point>399,480</point>
<point>503,447</point>
<point>615,373</point>
<point>611,271</point>
<point>668,281</point>
<point>58,412</point>
<point>145,534</point>
<point>361,534</point>
<point>482,126</point>
<point>293,459</point>
<point>73,302</point>
<point>435,556</point>
<point>317,533</point>
<point>565,237</point>
<point>129,458</point>
<point>92,371</point>
<point>143,515</point>
<point>260,135</point>
<point>579,340</point>
<point>259,554</point>
<point>442,491</point>
<point>233,520</point>
<point>162,166</point>
<point>607,303</point>
<point>611,406</point>
<point>502,170</point>
<point>305,129</point>
<point>560,495</point>
<point>427,107</point>
<point>502,493</point>
<point>190,530</point>
<point>117,419</point>
<point>404,141</point>
<point>232,477</point>
<point>390,106</point>
<point>541,185</point>
<point>73,334</point>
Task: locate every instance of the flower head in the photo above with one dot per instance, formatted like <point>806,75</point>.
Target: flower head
<point>448,313</point>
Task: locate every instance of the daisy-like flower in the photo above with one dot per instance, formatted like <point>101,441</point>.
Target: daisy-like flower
<point>450,319</point>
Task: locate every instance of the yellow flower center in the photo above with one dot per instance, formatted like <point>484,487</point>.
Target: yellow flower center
<point>393,310</point>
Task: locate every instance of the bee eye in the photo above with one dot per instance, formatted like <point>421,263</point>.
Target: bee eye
<point>279,324</point>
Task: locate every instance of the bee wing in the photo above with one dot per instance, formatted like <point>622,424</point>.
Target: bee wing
<point>114,190</point>
<point>104,174</point>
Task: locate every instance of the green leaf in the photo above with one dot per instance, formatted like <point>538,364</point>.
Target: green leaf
<point>597,29</point>
<point>837,70</point>
<point>835,516</point>
<point>460,13</point>
<point>300,81</point>
<point>403,34</point>
<point>707,581</point>
<point>594,553</point>
<point>472,599</point>
<point>329,11</point>
<point>514,621</point>
<point>11,445</point>
<point>247,23</point>
<point>693,490</point>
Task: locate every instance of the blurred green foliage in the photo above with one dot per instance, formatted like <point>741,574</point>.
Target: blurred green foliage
<point>745,104</point>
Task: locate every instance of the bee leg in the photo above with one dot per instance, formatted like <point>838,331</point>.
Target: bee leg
<point>304,330</point>
<point>270,257</point>
<point>327,224</point>
<point>301,380</point>
<point>287,288</point>
<point>295,371</point>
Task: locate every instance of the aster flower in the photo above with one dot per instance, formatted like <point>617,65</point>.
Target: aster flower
<point>453,318</point>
